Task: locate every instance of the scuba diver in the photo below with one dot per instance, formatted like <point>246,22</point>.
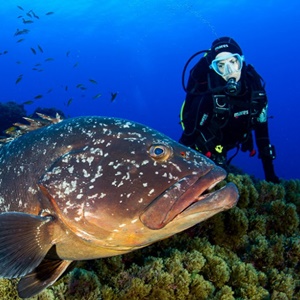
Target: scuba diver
<point>225,101</point>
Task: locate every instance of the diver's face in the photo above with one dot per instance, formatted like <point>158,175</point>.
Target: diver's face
<point>228,65</point>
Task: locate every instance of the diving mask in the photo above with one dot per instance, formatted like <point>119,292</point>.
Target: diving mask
<point>227,64</point>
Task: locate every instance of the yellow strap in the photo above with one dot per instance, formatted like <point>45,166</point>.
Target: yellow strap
<point>181,115</point>
<point>219,148</point>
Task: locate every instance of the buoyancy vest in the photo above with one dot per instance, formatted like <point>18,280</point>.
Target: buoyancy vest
<point>227,107</point>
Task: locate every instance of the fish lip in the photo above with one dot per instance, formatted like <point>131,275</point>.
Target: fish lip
<point>220,200</point>
<point>177,199</point>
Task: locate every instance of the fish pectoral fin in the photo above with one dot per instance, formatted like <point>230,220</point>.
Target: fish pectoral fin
<point>24,241</point>
<point>42,276</point>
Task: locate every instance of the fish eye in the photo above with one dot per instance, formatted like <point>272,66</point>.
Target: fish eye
<point>160,152</point>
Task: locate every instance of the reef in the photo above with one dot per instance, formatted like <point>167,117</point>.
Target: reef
<point>251,251</point>
<point>12,112</point>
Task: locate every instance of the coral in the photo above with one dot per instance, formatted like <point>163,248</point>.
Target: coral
<point>249,252</point>
<point>10,113</point>
<point>8,289</point>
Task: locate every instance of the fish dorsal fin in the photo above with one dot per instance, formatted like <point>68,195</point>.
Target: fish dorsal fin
<point>24,241</point>
<point>44,275</point>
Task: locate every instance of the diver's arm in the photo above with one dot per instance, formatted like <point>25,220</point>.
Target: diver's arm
<point>198,133</point>
<point>188,119</point>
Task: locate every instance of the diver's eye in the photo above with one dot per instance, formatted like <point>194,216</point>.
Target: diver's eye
<point>160,152</point>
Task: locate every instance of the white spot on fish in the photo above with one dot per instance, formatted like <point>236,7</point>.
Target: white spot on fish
<point>31,190</point>
<point>71,169</point>
<point>120,184</point>
<point>151,192</point>
<point>90,160</point>
<point>176,166</point>
<point>56,170</point>
<point>85,173</point>
<point>122,225</point>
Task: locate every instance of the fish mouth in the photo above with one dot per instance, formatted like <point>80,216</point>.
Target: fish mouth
<point>190,195</point>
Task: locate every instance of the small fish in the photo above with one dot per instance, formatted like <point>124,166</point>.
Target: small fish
<point>27,21</point>
<point>66,88</point>
<point>20,7</point>
<point>19,32</point>
<point>113,96</point>
<point>49,13</point>
<point>92,187</point>
<point>38,97</point>
<point>38,64</point>
<point>33,51</point>
<point>83,88</point>
<point>29,14</point>
<point>29,102</point>
<point>41,49</point>
<point>10,130</point>
<point>97,96</point>
<point>37,17</point>
<point>20,40</point>
<point>79,85</point>
<point>49,59</point>
<point>19,79</point>
<point>69,101</point>
<point>93,81</point>
<point>18,62</point>
<point>76,64</point>
<point>5,52</point>
<point>68,53</point>
<point>49,91</point>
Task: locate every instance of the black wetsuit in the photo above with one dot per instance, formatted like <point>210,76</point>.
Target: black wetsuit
<point>215,122</point>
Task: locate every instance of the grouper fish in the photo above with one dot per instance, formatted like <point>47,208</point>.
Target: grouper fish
<point>92,187</point>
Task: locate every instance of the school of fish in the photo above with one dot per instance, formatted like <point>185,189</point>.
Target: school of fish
<point>29,17</point>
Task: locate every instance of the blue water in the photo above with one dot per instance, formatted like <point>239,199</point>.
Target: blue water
<point>138,49</point>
